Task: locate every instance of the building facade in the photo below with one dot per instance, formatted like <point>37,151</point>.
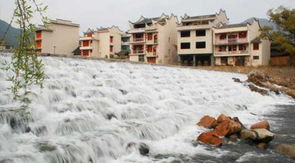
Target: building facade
<point>153,40</point>
<point>194,38</point>
<point>238,45</point>
<point>60,37</point>
<point>101,43</point>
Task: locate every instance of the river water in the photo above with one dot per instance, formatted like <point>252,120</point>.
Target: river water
<point>91,111</point>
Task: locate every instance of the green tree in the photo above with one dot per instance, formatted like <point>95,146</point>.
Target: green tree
<point>283,35</point>
<point>26,67</point>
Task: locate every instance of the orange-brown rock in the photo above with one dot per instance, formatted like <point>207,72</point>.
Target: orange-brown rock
<point>210,138</point>
<point>261,125</point>
<point>228,127</point>
<point>222,118</point>
<point>207,122</point>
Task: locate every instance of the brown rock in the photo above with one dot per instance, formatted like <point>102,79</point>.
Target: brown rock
<point>237,80</point>
<point>248,134</point>
<point>207,122</point>
<point>264,135</point>
<point>210,138</point>
<point>258,90</point>
<point>228,127</point>
<point>259,125</point>
<point>288,150</point>
<point>261,145</point>
<point>222,118</point>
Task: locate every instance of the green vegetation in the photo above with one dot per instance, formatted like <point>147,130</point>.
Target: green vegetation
<point>26,67</point>
<point>284,34</point>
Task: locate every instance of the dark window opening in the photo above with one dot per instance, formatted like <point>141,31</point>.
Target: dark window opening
<point>185,45</point>
<point>185,33</point>
<point>255,57</point>
<point>242,47</point>
<point>222,36</point>
<point>242,34</point>
<point>200,45</point>
<point>256,46</point>
<point>232,48</point>
<point>200,32</point>
<point>222,48</point>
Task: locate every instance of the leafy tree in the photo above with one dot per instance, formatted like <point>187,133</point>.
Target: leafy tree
<point>26,67</point>
<point>283,35</point>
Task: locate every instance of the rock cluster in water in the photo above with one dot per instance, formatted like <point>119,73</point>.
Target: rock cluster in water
<point>233,129</point>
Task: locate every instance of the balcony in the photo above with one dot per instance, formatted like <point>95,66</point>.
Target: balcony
<point>232,53</point>
<point>85,47</point>
<point>138,40</point>
<point>231,41</point>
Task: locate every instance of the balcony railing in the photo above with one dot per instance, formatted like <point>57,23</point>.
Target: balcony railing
<point>138,51</point>
<point>231,41</point>
<point>232,52</point>
<point>138,39</point>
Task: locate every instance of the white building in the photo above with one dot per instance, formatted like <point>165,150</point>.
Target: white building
<point>238,45</point>
<point>101,43</point>
<point>153,40</point>
<point>60,37</point>
<point>195,35</point>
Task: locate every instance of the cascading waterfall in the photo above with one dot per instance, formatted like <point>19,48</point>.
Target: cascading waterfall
<point>90,111</point>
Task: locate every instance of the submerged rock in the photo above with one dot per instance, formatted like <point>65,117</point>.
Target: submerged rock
<point>286,149</point>
<point>143,149</point>
<point>210,137</point>
<point>258,90</point>
<point>207,122</point>
<point>261,125</point>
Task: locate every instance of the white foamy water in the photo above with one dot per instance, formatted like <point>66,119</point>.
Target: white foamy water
<point>89,111</point>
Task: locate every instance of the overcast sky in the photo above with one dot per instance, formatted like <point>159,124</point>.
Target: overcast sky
<point>97,13</point>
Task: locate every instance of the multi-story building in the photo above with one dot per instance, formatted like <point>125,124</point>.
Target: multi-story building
<point>126,42</point>
<point>58,36</point>
<point>101,43</point>
<point>153,40</point>
<point>195,35</point>
<point>238,45</point>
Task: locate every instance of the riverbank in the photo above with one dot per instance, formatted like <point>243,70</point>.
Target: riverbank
<point>284,77</point>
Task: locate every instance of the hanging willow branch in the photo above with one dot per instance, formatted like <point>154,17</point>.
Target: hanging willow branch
<point>27,68</point>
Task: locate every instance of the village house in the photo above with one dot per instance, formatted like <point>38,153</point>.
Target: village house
<point>238,45</point>
<point>59,37</point>
<point>101,43</point>
<point>194,38</point>
<point>153,40</point>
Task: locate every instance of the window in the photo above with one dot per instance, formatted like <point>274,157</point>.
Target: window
<point>185,45</point>
<point>185,33</point>
<point>86,43</point>
<point>232,48</point>
<point>223,60</point>
<point>222,36</point>
<point>200,45</point>
<point>111,39</point>
<point>242,47</point>
<point>38,34</point>
<point>256,46</point>
<point>111,48</point>
<point>200,32</point>
<point>242,34</point>
<point>222,48</point>
<point>149,36</point>
<point>149,48</point>
<point>141,58</point>
<point>256,57</point>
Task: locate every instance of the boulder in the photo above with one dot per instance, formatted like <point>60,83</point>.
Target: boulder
<point>286,149</point>
<point>228,127</point>
<point>248,134</point>
<point>263,135</point>
<point>143,149</point>
<point>261,125</point>
<point>207,122</point>
<point>257,77</point>
<point>237,80</point>
<point>253,88</point>
<point>210,138</point>
<point>222,118</point>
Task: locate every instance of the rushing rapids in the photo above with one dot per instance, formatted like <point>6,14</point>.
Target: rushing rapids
<point>91,111</point>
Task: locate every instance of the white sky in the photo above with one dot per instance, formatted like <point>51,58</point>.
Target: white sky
<point>97,13</point>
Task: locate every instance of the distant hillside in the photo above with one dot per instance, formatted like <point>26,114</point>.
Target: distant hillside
<point>11,35</point>
<point>262,21</point>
